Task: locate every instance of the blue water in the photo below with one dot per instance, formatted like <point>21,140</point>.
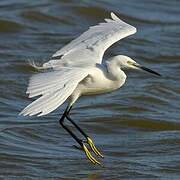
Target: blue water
<point>137,127</point>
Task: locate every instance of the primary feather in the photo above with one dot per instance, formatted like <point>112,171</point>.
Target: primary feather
<point>71,64</point>
<point>88,49</point>
<point>54,87</point>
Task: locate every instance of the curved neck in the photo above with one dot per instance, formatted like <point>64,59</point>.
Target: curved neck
<point>115,71</point>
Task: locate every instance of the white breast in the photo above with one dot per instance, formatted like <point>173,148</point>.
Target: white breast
<point>99,81</point>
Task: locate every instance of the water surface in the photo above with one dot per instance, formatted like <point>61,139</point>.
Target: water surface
<point>137,128</point>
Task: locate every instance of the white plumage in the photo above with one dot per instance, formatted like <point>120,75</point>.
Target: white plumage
<point>74,71</point>
<point>88,49</point>
<point>55,87</point>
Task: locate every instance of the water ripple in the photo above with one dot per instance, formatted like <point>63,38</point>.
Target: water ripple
<point>136,127</point>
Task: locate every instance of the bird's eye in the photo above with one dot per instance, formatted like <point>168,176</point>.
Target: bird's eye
<point>130,62</point>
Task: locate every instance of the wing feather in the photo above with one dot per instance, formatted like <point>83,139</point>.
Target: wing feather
<point>43,83</point>
<point>71,65</point>
<point>88,49</point>
<point>54,88</point>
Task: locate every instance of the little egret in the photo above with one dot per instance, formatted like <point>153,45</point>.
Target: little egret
<point>77,70</point>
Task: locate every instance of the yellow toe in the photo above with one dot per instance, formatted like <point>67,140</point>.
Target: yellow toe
<point>94,149</point>
<point>89,156</point>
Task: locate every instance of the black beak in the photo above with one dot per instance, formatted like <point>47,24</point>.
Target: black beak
<point>146,69</point>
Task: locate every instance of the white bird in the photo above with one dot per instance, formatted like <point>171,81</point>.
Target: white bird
<point>77,70</point>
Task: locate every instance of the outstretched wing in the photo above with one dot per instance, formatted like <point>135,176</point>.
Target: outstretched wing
<point>88,49</point>
<point>54,87</point>
<point>69,64</point>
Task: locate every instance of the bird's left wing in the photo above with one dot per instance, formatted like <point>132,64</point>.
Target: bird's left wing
<point>53,88</point>
<point>88,49</point>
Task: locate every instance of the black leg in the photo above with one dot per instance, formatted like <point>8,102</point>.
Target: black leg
<point>77,127</point>
<point>66,113</point>
<point>61,122</point>
<point>81,142</point>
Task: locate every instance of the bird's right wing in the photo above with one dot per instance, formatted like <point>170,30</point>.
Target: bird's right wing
<point>54,88</point>
<point>88,49</point>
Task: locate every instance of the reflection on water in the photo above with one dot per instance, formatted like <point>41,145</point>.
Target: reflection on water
<point>137,127</point>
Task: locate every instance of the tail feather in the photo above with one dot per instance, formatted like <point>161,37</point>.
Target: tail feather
<point>37,66</point>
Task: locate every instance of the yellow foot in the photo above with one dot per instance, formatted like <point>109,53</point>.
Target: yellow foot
<point>94,149</point>
<point>89,156</point>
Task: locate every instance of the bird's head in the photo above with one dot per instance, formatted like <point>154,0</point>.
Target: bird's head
<point>125,62</point>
